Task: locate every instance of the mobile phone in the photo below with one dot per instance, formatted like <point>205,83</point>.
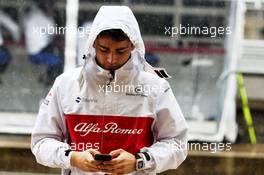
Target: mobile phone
<point>102,157</point>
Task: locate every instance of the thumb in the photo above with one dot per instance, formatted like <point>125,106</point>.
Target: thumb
<point>93,152</point>
<point>116,153</point>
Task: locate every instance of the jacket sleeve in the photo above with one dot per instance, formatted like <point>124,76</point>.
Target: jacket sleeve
<point>49,133</point>
<point>170,132</point>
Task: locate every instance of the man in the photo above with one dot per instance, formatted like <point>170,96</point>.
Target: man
<point>106,107</point>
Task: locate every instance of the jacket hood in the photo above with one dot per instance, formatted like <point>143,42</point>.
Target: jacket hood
<point>116,17</point>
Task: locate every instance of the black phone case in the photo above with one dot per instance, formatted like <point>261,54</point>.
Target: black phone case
<point>102,157</point>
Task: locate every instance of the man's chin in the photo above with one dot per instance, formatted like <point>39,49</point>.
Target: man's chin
<point>111,67</point>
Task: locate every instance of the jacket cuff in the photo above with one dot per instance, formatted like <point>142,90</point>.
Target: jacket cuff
<point>66,161</point>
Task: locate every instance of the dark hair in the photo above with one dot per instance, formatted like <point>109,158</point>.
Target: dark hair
<point>115,34</point>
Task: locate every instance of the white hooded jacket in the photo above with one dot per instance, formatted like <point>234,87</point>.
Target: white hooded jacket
<point>89,108</point>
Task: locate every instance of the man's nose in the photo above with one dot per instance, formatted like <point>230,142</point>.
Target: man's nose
<point>111,58</point>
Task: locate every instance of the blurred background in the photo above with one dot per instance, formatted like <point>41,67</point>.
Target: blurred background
<point>213,49</point>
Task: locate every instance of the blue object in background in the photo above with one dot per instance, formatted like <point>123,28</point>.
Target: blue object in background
<point>152,59</point>
<point>4,56</point>
<point>45,58</point>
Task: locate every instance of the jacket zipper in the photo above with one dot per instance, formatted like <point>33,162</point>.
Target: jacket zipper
<point>108,82</point>
<point>112,77</point>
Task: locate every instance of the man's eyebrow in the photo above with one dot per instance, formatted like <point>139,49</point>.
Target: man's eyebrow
<point>122,48</point>
<point>119,49</point>
<point>103,46</point>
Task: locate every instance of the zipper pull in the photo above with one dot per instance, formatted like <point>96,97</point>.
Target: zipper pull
<point>112,77</point>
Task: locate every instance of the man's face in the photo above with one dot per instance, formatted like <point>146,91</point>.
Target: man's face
<point>112,54</point>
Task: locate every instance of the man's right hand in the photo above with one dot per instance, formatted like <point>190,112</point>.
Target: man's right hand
<point>85,160</point>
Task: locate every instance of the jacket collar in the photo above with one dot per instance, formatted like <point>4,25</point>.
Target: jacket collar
<point>93,72</point>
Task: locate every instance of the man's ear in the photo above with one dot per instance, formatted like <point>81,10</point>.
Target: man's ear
<point>94,43</point>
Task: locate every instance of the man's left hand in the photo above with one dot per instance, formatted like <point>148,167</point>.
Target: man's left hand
<point>123,162</point>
